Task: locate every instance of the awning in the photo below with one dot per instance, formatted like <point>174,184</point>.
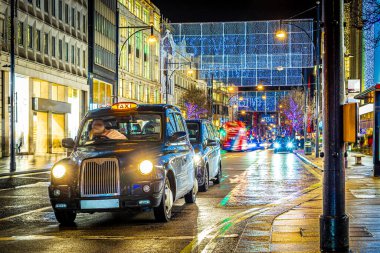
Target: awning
<point>366,94</point>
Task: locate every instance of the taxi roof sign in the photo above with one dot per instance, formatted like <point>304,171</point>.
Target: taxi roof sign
<point>124,106</point>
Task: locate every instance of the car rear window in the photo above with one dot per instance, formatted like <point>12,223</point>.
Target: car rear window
<point>194,132</point>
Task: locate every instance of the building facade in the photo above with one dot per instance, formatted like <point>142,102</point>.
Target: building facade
<point>102,53</point>
<point>51,78</point>
<point>179,71</point>
<point>139,64</point>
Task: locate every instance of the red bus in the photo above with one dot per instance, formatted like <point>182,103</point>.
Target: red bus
<point>236,136</point>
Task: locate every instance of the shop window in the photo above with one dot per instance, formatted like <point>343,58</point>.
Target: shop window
<point>58,92</point>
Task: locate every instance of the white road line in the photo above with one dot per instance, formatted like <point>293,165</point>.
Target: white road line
<point>104,237</point>
<point>26,174</point>
<point>22,214</point>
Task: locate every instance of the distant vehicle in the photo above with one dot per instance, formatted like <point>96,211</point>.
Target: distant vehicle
<point>206,143</point>
<point>236,136</point>
<point>127,156</point>
<point>255,144</point>
<point>283,145</point>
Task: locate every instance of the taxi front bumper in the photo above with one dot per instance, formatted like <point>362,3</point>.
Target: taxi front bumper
<point>134,198</point>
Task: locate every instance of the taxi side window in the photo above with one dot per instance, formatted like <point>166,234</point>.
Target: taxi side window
<point>171,128</point>
<point>179,123</point>
<point>211,132</point>
<point>205,133</point>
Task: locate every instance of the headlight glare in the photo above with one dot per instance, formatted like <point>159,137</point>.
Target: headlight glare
<point>277,145</point>
<point>59,171</point>
<point>289,145</point>
<point>146,167</point>
<point>197,158</point>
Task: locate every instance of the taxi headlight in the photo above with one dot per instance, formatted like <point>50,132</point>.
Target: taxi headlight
<point>277,145</point>
<point>197,158</point>
<point>289,145</point>
<point>146,167</point>
<point>58,171</point>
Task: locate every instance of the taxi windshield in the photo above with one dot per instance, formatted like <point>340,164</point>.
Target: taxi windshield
<point>125,128</point>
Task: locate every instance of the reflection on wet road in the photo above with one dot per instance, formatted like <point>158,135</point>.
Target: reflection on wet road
<point>253,182</point>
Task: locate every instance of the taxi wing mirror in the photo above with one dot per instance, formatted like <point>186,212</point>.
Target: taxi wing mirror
<point>211,143</point>
<point>68,143</point>
<point>178,136</point>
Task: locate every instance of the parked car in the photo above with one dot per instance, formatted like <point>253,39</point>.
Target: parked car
<point>283,144</point>
<point>206,143</point>
<point>127,156</point>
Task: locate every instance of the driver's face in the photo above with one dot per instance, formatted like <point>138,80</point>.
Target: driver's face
<point>98,127</point>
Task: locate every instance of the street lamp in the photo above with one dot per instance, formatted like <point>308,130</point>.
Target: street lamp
<point>260,87</point>
<point>178,64</point>
<point>281,34</point>
<point>151,40</point>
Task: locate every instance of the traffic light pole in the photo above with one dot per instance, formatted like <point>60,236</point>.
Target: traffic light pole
<point>12,166</point>
<point>334,235</point>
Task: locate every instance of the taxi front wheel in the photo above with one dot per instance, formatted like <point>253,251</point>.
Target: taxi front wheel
<point>218,177</point>
<point>191,196</point>
<point>65,217</point>
<point>163,212</point>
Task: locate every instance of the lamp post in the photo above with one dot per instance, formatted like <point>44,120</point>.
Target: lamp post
<point>281,34</point>
<point>168,78</point>
<point>151,39</point>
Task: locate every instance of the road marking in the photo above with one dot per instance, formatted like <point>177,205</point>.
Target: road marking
<point>26,174</point>
<point>38,184</point>
<point>25,213</point>
<point>103,237</point>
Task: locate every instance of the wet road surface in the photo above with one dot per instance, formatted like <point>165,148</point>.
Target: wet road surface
<point>253,182</point>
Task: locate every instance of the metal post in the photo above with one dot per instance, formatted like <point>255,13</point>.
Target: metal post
<point>376,143</point>
<point>334,234</point>
<point>12,90</point>
<point>116,87</point>
<point>317,63</point>
<point>167,80</point>
<point>305,118</point>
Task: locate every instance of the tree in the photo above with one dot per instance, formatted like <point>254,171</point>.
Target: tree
<point>293,108</point>
<point>195,101</point>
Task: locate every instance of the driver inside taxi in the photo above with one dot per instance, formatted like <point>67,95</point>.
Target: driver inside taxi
<point>98,129</point>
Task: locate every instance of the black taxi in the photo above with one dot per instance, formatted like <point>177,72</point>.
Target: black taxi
<point>126,156</point>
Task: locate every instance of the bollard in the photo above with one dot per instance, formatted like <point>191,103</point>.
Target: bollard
<point>308,148</point>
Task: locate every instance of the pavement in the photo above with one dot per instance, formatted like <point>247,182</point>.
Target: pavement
<point>29,163</point>
<point>297,230</point>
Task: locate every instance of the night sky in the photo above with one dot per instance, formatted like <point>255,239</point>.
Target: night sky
<point>235,10</point>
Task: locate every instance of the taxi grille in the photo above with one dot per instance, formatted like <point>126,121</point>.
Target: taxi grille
<point>100,177</point>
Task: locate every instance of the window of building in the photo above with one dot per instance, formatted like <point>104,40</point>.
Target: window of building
<point>84,23</point>
<point>102,93</point>
<point>53,46</point>
<point>30,36</point>
<point>20,33</point>
<point>78,21</point>
<point>130,5</point>
<point>60,49</point>
<point>38,39</point>
<point>46,43</point>
<point>38,3</point>
<point>46,6</point>
<point>84,59</point>
<point>138,10</point>
<point>60,10</point>
<point>40,89</point>
<point>138,44</point>
<point>72,17</point>
<point>146,16</point>
<point>66,13</point>
<point>78,57</point>
<point>72,55</point>
<point>58,92</point>
<point>30,1</point>
<point>66,52</point>
<point>53,7</point>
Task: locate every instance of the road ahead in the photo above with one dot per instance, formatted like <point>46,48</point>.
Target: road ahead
<point>253,182</point>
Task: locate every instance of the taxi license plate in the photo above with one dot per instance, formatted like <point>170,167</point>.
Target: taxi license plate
<point>99,204</point>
